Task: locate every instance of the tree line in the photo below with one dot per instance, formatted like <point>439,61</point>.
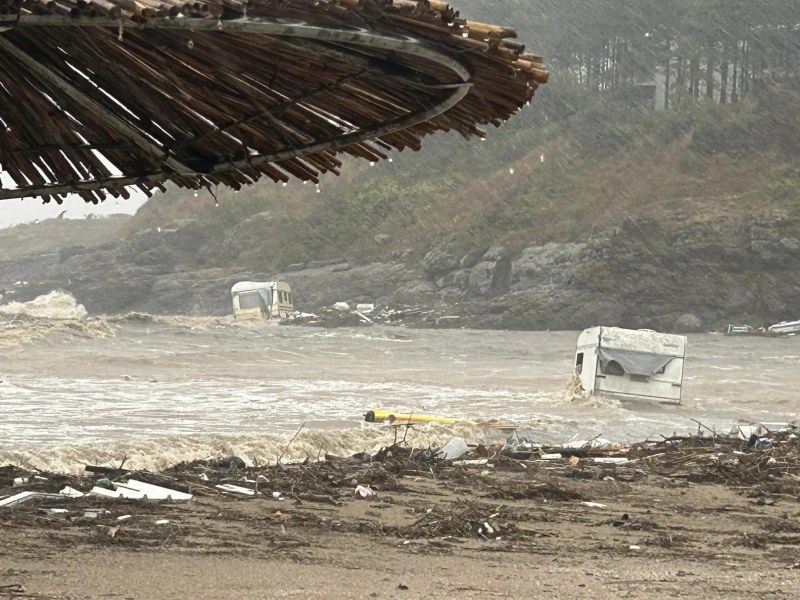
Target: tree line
<point>688,49</point>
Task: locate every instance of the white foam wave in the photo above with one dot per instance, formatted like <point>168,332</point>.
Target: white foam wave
<point>160,453</point>
<point>55,305</point>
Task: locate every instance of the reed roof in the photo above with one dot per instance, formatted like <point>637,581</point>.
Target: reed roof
<point>97,95</point>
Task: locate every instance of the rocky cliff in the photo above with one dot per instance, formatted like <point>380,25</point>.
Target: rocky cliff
<point>642,273</point>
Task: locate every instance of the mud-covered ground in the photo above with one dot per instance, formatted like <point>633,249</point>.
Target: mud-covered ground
<point>690,517</point>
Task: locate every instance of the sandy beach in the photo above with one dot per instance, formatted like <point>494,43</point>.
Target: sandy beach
<point>692,517</point>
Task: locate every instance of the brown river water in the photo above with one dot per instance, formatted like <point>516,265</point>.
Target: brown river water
<point>156,390</point>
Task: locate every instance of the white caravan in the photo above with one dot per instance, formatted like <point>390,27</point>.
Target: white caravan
<point>261,300</point>
<point>631,363</point>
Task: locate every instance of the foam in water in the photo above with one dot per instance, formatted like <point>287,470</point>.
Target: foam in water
<point>56,312</point>
<point>55,305</point>
<point>159,453</point>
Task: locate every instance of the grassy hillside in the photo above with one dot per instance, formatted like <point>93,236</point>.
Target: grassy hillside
<point>570,165</point>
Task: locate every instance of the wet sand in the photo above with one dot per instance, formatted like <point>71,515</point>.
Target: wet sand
<point>695,520</point>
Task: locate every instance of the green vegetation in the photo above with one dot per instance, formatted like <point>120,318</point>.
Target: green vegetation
<point>590,152</point>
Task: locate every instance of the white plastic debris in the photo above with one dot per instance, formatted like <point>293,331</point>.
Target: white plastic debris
<point>610,460</point>
<point>473,462</point>
<point>17,499</point>
<point>56,511</point>
<point>70,492</point>
<point>634,548</point>
<point>365,308</point>
<point>156,492</point>
<point>363,491</point>
<point>341,306</point>
<point>277,495</point>
<point>236,489</point>
<point>593,504</point>
<point>453,449</point>
<point>123,517</point>
<point>139,490</point>
<point>120,492</point>
<point>162,522</point>
<point>597,442</point>
<point>553,456</point>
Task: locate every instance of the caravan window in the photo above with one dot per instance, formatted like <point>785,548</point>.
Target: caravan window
<point>248,300</point>
<point>611,367</point>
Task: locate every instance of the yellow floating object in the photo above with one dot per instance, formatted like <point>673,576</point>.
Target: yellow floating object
<point>396,418</point>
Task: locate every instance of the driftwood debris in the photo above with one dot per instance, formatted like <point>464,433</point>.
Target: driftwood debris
<point>97,95</point>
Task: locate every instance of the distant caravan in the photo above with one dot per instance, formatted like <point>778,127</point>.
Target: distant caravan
<point>261,300</point>
<point>631,364</point>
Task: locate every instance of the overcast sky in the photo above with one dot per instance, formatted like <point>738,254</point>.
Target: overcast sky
<point>27,210</point>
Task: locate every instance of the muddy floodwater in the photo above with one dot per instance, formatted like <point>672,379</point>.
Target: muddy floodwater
<point>158,390</point>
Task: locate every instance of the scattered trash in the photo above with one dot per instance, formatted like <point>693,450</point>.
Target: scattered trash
<point>759,443</point>
<point>23,497</point>
<point>104,482</point>
<point>552,456</point>
<point>117,493</point>
<point>139,490</point>
<point>714,459</point>
<point>341,314</point>
<point>453,449</point>
<point>70,492</point>
<point>614,460</point>
<point>363,491</point>
<point>236,489</point>
<point>519,444</point>
<point>634,548</point>
<point>593,444</point>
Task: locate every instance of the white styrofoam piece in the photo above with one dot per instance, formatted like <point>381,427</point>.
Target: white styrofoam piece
<point>156,492</point>
<point>17,498</point>
<point>120,492</point>
<point>236,489</point>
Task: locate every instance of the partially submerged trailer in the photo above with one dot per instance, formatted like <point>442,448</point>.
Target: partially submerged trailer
<point>631,363</point>
<point>261,300</point>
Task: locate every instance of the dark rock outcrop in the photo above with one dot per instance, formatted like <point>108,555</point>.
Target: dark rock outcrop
<point>640,274</point>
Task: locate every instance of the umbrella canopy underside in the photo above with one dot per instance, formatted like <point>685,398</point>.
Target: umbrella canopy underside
<point>103,94</point>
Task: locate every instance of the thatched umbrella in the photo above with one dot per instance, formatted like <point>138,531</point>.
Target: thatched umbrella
<point>97,95</point>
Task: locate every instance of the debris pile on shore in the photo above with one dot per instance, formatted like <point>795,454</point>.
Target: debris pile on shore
<point>342,314</point>
<point>478,485</point>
